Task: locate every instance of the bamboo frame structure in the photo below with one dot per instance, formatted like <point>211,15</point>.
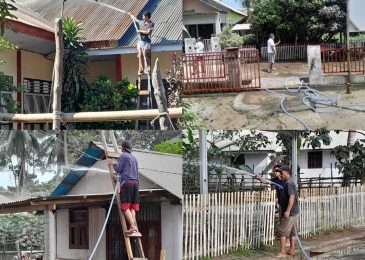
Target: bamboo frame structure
<point>130,115</point>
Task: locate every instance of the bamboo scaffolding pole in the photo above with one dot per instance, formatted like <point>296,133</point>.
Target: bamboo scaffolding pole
<point>129,115</point>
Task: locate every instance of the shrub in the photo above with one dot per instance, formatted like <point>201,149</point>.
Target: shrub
<point>104,95</point>
<point>230,39</point>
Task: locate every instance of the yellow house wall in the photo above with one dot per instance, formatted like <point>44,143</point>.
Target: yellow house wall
<point>129,66</point>
<point>9,67</point>
<point>34,65</point>
<point>97,68</point>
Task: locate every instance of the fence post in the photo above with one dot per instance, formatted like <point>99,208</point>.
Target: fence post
<point>348,50</point>
<point>203,161</point>
<point>314,64</point>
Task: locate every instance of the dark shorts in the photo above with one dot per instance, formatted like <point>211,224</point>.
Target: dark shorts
<point>129,196</point>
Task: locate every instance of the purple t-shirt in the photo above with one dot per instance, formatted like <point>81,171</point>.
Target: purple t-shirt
<point>127,167</point>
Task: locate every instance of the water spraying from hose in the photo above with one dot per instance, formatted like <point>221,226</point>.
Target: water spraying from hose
<point>139,39</point>
<point>250,173</point>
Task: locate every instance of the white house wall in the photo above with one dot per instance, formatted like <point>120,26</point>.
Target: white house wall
<point>171,230</point>
<point>325,171</point>
<point>257,160</point>
<point>200,19</point>
<point>96,221</point>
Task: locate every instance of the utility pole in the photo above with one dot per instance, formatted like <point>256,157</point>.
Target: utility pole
<point>57,84</point>
<point>203,161</point>
<point>294,156</point>
<point>348,49</point>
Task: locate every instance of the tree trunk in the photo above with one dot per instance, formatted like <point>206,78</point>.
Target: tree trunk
<point>351,138</point>
<point>22,175</point>
<point>160,96</point>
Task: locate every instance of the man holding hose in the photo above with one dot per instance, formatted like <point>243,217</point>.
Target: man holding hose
<point>289,212</point>
<point>127,167</point>
<point>146,27</point>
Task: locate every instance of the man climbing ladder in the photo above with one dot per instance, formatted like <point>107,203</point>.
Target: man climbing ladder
<point>146,27</point>
<point>127,167</point>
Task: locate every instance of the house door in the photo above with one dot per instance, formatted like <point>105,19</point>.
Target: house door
<point>149,224</point>
<point>205,30</point>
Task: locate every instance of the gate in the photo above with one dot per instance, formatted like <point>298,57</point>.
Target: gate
<point>227,71</point>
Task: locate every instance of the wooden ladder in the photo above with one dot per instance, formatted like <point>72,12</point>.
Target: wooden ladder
<point>143,100</point>
<point>138,252</point>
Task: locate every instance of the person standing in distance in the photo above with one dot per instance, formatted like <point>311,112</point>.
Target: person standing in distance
<point>271,51</point>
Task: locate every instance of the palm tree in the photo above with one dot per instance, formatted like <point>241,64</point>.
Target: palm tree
<point>19,144</point>
<point>54,147</point>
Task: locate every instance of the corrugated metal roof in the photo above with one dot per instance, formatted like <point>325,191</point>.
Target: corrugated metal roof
<point>27,16</point>
<point>167,16</point>
<point>101,23</point>
<point>86,160</point>
<point>4,199</point>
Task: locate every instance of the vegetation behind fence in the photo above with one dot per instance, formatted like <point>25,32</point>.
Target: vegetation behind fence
<point>216,223</point>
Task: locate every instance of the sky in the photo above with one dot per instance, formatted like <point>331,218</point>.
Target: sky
<point>7,179</point>
<point>233,3</point>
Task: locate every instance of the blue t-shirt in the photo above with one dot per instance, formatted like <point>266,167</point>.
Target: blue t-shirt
<point>127,167</point>
<point>278,190</point>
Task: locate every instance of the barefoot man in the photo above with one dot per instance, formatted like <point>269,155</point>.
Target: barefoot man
<point>271,51</point>
<point>146,27</point>
<point>127,167</point>
<point>289,211</point>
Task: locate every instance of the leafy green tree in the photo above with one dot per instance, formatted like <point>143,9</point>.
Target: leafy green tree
<point>351,161</point>
<point>21,232</point>
<point>312,139</point>
<point>300,21</point>
<point>169,147</point>
<point>75,65</point>
<point>5,13</point>
<point>147,140</point>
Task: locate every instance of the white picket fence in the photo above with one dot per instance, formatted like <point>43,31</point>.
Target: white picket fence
<point>330,208</point>
<point>216,223</point>
<point>287,52</point>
